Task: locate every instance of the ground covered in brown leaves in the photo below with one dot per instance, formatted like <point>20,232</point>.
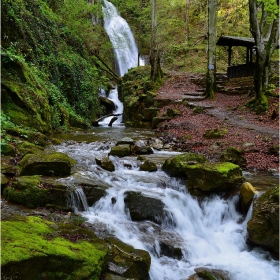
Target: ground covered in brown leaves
<point>253,134</point>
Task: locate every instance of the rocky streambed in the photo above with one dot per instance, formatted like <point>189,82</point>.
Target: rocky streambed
<point>124,206</point>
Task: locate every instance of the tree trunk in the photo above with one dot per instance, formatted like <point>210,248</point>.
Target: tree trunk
<point>212,34</point>
<point>260,102</point>
<point>156,73</point>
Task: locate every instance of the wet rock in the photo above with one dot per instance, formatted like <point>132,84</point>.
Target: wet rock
<point>35,191</point>
<point>148,166</point>
<point>7,150</point>
<point>204,178</point>
<point>105,163</point>
<point>235,156</point>
<point>175,166</point>
<point>141,157</point>
<point>263,227</point>
<point>169,250</point>
<point>93,189</point>
<point>247,194</point>
<point>156,143</point>
<point>33,248</point>
<point>125,261</point>
<point>109,276</point>
<point>144,208</point>
<point>53,164</point>
<point>121,150</point>
<point>203,273</point>
<point>108,104</point>
<point>125,141</point>
<point>142,150</point>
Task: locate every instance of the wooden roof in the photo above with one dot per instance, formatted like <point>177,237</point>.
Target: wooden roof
<point>235,41</point>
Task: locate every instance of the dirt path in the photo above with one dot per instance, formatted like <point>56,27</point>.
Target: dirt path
<point>253,134</point>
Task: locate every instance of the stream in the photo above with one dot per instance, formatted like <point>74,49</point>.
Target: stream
<point>210,232</point>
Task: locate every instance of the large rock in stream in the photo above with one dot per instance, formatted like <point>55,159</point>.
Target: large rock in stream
<point>263,227</point>
<point>144,208</point>
<point>47,164</point>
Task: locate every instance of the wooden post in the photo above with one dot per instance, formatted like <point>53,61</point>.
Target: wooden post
<point>248,55</point>
<point>229,55</point>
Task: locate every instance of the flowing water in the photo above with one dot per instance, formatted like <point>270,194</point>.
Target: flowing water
<point>211,233</point>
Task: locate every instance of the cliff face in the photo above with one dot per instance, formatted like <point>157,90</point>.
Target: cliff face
<point>50,79</point>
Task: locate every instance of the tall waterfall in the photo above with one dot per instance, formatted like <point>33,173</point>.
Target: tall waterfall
<point>121,37</point>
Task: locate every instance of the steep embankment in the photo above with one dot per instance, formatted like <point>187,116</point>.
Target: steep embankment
<point>50,79</point>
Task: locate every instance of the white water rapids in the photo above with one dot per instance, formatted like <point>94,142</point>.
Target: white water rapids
<point>211,233</point>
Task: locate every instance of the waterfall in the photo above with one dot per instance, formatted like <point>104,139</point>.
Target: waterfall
<point>210,231</point>
<point>121,37</point>
<point>125,50</point>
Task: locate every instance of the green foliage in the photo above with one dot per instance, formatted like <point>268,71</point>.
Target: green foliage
<point>271,7</point>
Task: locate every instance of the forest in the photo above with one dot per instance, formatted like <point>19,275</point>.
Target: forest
<point>153,156</point>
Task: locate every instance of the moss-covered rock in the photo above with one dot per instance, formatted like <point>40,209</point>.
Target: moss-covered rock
<point>121,150</point>
<point>141,150</point>
<point>235,156</point>
<point>144,208</point>
<point>4,181</point>
<point>35,191</point>
<point>203,273</point>
<point>28,148</point>
<point>263,227</point>
<point>214,133</point>
<point>52,164</point>
<point>176,165</point>
<point>7,166</point>
<point>205,178</point>
<point>33,248</point>
<point>7,150</point>
<point>128,262</point>
<point>148,166</point>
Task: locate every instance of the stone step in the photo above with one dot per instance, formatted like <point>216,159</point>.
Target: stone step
<point>193,93</point>
<point>193,98</point>
<point>202,106</point>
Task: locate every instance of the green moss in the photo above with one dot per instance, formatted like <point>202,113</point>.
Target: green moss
<point>28,250</point>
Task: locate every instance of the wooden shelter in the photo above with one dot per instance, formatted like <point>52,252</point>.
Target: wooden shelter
<point>241,70</point>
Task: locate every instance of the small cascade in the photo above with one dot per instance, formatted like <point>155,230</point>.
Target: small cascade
<point>78,201</point>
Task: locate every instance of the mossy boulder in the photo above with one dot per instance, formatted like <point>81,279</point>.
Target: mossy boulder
<point>157,120</point>
<point>7,150</point>
<point>109,105</point>
<point>28,148</point>
<point>52,164</point>
<point>263,227</point>
<point>121,150</point>
<point>176,165</point>
<point>33,248</point>
<point>35,191</point>
<point>148,166</point>
<point>125,261</point>
<point>215,133</point>
<point>144,208</point>
<point>235,156</point>
<point>4,181</point>
<point>205,178</point>
<point>203,273</point>
<point>7,166</point>
<point>105,163</point>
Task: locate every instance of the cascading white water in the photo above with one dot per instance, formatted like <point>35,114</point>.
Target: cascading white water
<point>121,37</point>
<point>210,233</point>
<point>125,50</point>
